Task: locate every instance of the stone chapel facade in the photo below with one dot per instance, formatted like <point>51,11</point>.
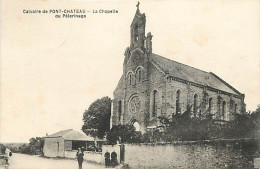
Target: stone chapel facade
<point>152,86</point>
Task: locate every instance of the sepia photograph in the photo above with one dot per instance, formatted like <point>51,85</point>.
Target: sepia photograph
<point>126,84</point>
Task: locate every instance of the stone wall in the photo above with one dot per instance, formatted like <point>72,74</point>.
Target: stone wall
<point>223,154</point>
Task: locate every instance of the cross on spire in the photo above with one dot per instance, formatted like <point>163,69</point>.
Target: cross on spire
<point>138,4</point>
<point>137,10</point>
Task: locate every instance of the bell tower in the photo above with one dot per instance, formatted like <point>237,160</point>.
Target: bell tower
<point>138,30</point>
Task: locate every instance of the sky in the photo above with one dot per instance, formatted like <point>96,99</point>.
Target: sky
<point>52,69</point>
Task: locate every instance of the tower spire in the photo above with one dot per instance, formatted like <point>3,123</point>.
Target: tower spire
<point>138,30</point>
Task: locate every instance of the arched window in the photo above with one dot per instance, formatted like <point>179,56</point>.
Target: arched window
<point>155,100</point>
<point>130,79</point>
<point>139,75</point>
<point>195,105</point>
<point>219,107</point>
<point>224,110</point>
<point>235,111</point>
<point>178,106</point>
<point>210,105</point>
<point>119,110</point>
<point>136,33</point>
<point>231,105</point>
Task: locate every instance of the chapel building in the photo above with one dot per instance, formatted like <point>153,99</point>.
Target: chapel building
<point>153,86</point>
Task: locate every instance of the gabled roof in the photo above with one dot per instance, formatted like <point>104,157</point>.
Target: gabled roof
<point>60,133</point>
<point>120,83</point>
<point>191,74</point>
<point>71,134</point>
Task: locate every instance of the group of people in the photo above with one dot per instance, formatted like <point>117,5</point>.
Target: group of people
<point>111,161</point>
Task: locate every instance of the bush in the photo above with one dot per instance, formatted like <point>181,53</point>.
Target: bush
<point>2,149</point>
<point>35,147</point>
<point>123,134</point>
<point>183,127</point>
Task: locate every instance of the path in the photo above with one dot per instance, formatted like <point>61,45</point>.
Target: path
<point>22,161</point>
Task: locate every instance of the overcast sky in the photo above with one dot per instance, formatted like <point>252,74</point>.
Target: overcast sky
<point>53,69</point>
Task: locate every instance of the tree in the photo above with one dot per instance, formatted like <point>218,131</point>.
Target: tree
<point>97,118</point>
<point>36,144</point>
<point>124,134</point>
<point>34,147</point>
<point>255,116</point>
<point>2,149</point>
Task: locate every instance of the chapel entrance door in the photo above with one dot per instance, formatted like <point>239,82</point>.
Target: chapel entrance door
<point>136,124</point>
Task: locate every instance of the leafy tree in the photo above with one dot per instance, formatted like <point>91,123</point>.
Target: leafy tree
<point>2,149</point>
<point>124,134</point>
<point>36,144</point>
<point>255,116</point>
<point>34,147</point>
<point>97,118</point>
<point>26,149</point>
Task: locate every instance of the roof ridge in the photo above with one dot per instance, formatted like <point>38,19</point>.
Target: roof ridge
<point>62,131</point>
<point>194,75</point>
<point>225,82</point>
<point>179,63</point>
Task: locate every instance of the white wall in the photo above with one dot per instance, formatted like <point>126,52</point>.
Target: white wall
<point>51,149</point>
<point>88,155</point>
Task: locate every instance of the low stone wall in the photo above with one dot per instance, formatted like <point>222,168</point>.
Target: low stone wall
<point>88,155</point>
<point>220,154</point>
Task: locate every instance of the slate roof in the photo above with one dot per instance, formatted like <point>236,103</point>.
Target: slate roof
<point>120,83</point>
<point>71,134</point>
<point>191,74</point>
<point>188,73</point>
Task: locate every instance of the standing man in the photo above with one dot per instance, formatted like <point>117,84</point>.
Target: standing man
<point>107,159</point>
<point>113,159</point>
<point>7,154</point>
<point>80,155</point>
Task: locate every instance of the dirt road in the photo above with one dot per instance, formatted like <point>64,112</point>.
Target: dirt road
<point>21,161</point>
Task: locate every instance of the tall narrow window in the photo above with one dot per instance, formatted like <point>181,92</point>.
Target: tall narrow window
<point>119,110</point>
<point>195,105</point>
<point>210,105</point>
<point>231,105</point>
<point>224,110</point>
<point>154,111</point>
<point>219,108</point>
<point>235,111</point>
<point>136,33</point>
<point>130,79</point>
<point>178,107</point>
<point>139,75</point>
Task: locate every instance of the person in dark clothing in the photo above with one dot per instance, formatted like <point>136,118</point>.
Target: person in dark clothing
<point>113,159</point>
<point>80,155</point>
<point>107,159</point>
